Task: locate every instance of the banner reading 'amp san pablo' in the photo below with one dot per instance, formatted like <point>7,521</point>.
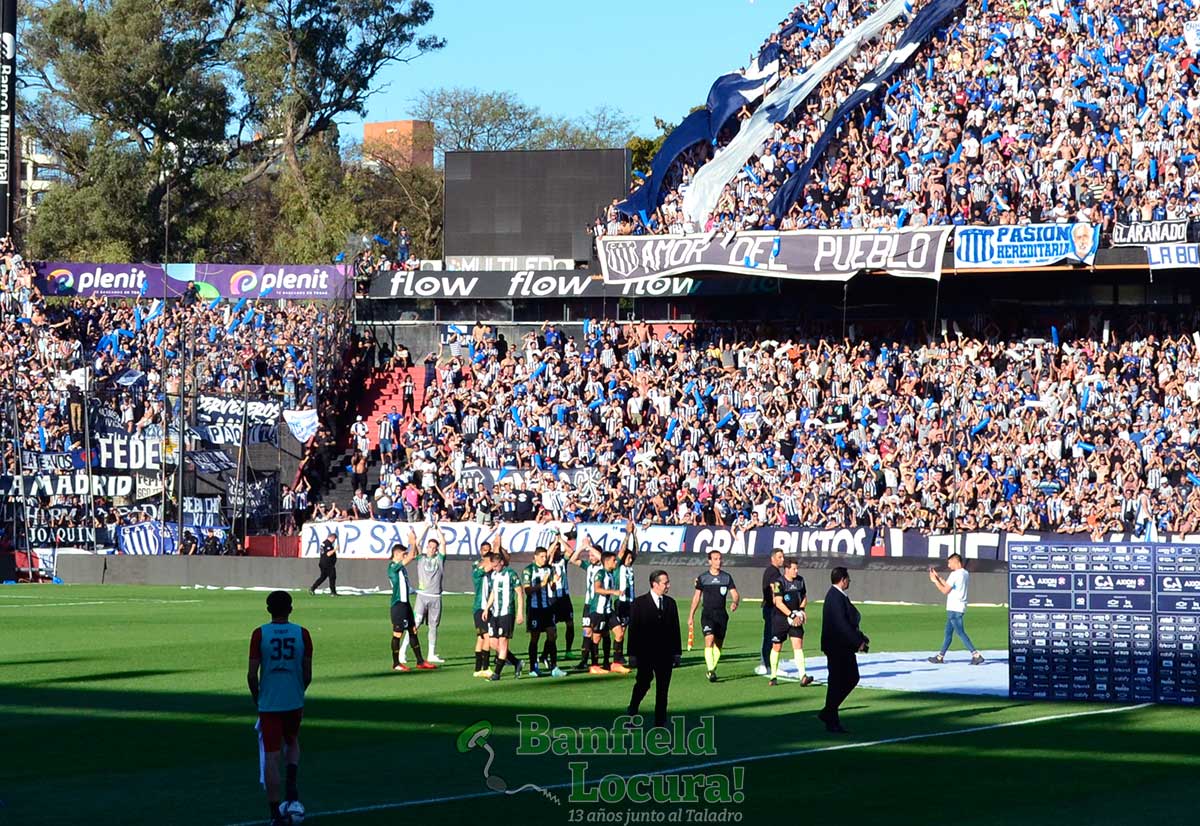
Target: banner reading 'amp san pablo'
<point>1030,245</point>
<point>825,255</point>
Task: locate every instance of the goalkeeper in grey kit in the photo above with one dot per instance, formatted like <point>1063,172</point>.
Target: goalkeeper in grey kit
<point>431,568</point>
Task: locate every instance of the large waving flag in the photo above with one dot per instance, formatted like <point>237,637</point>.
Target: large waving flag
<point>930,18</point>
<point>728,94</point>
<point>711,178</point>
<point>733,91</point>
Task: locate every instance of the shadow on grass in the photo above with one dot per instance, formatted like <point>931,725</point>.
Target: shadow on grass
<point>108,676</point>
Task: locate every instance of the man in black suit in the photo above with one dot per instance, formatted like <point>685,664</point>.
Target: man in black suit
<point>654,644</point>
<point>841,640</point>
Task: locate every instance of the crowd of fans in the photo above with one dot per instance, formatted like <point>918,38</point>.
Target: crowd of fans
<point>983,428</point>
<point>136,366</point>
<point>1042,111</point>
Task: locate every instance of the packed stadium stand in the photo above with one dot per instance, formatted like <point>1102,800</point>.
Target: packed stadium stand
<point>1011,403</point>
<point>992,113</point>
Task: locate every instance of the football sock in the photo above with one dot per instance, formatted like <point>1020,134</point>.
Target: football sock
<point>273,805</point>
<point>595,652</point>
<point>774,663</point>
<point>487,659</point>
<point>708,657</point>
<point>499,665</point>
<point>549,648</point>
<point>716,657</point>
<point>552,657</point>
<point>395,651</point>
<point>292,793</point>
<point>607,641</point>
<point>512,658</point>
<point>619,655</point>
<point>478,662</point>
<point>585,650</point>
<point>570,635</point>
<point>404,649</point>
<point>533,653</point>
<point>416,647</point>
<point>798,656</point>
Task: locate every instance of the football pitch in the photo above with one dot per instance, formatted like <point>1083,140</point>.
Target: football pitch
<point>128,705</point>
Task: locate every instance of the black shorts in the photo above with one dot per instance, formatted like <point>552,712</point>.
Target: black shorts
<point>402,617</point>
<point>598,623</point>
<point>539,619</point>
<point>714,623</point>
<point>563,610</point>
<point>501,627</point>
<point>481,626</point>
<point>622,614</point>
<point>781,629</point>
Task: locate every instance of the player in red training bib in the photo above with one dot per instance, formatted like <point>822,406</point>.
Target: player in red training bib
<point>280,671</point>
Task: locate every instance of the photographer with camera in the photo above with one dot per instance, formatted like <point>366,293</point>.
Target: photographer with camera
<point>841,640</point>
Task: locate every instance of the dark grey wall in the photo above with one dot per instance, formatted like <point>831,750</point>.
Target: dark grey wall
<point>883,584</point>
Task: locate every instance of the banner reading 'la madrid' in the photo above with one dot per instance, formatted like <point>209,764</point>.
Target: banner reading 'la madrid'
<point>832,255</point>
<point>1030,245</point>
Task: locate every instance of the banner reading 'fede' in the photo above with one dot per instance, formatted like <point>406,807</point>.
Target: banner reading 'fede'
<point>268,281</point>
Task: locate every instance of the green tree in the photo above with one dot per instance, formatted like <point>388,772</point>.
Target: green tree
<point>199,111</point>
<point>474,120</point>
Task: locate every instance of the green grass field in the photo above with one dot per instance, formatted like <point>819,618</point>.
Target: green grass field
<point>128,705</point>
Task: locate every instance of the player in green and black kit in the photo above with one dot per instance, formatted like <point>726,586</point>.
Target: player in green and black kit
<point>481,575</point>
<point>587,557</point>
<point>712,587</point>
<point>791,598</point>
<point>504,599</point>
<point>602,607</point>
<point>625,584</point>
<point>403,621</point>
<point>561,608</point>
<point>536,581</point>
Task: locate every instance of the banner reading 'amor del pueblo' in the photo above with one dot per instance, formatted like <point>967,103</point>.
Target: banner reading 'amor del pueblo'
<point>832,255</point>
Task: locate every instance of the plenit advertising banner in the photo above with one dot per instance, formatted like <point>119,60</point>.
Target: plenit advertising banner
<point>265,281</point>
<point>834,255</point>
<point>1029,245</point>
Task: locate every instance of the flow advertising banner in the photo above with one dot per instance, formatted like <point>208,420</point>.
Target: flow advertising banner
<point>1030,245</point>
<point>524,284</point>
<point>833,255</point>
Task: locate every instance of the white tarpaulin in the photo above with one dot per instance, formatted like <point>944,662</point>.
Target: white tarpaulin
<point>711,178</point>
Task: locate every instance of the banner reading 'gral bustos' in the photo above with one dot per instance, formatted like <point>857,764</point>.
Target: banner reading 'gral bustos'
<point>1030,245</point>
<point>833,255</point>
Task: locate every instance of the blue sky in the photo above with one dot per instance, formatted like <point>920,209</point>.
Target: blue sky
<point>656,57</point>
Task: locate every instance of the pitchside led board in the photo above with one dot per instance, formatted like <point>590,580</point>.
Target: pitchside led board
<point>1104,622</point>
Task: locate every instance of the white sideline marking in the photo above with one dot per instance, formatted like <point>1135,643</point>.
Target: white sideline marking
<point>104,602</point>
<point>429,801</point>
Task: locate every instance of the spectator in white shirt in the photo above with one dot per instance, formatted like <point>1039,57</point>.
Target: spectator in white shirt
<point>955,588</point>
